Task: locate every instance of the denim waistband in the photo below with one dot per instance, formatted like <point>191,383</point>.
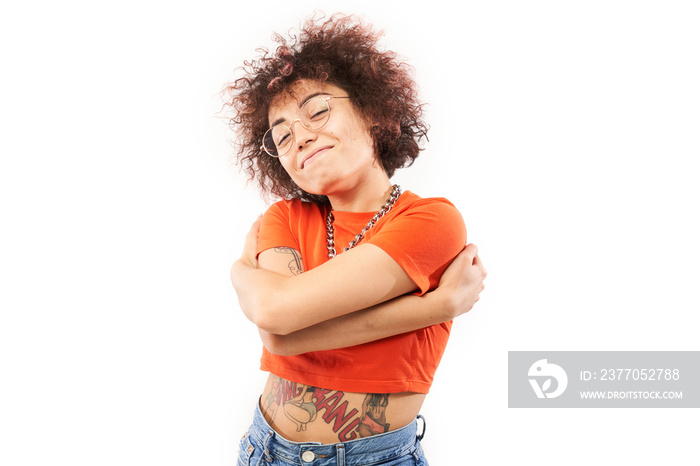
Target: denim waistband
<point>354,452</point>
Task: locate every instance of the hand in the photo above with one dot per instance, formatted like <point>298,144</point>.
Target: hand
<point>250,247</point>
<point>462,281</point>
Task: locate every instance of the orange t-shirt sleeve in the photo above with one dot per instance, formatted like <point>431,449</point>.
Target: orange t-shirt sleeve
<point>276,228</point>
<point>424,240</point>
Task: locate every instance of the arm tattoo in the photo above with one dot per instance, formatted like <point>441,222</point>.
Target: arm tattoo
<point>295,265</point>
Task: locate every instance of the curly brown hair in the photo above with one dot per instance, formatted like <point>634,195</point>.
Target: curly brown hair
<point>343,51</point>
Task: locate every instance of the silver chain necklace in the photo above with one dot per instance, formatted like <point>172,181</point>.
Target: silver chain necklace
<point>330,231</point>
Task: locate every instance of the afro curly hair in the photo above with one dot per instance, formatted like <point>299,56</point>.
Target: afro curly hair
<point>341,50</point>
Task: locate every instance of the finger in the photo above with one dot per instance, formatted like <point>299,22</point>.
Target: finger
<point>256,224</point>
<point>470,251</point>
<point>479,265</point>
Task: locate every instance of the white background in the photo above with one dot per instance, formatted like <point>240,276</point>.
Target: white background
<point>565,132</point>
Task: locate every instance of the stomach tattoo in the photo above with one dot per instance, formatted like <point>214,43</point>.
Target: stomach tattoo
<point>299,411</point>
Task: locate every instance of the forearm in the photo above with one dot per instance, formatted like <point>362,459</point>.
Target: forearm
<point>255,290</point>
<point>283,304</point>
<point>400,315</point>
<point>266,299</point>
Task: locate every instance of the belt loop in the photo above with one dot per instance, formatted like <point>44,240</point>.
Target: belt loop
<point>265,442</point>
<point>422,434</point>
<point>340,454</point>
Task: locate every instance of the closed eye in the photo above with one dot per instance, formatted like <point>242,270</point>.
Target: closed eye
<point>284,140</point>
<point>319,115</point>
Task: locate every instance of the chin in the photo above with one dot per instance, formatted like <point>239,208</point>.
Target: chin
<point>317,192</point>
<point>319,189</point>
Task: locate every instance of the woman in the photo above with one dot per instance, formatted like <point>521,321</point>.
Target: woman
<point>347,279</point>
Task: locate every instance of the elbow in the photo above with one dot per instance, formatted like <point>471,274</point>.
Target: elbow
<point>267,320</point>
<point>266,308</point>
<point>277,344</point>
<point>261,310</point>
<point>275,315</point>
<point>268,323</point>
<point>272,320</point>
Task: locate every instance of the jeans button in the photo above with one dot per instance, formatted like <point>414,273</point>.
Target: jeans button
<point>308,456</point>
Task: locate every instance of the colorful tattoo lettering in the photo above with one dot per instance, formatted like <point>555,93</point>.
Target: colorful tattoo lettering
<point>303,404</point>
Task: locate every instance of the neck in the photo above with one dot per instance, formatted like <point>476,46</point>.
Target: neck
<point>367,196</point>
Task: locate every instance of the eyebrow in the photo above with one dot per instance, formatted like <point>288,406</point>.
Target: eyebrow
<point>309,97</point>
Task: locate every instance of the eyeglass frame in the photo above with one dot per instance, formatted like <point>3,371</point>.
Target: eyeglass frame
<point>290,126</point>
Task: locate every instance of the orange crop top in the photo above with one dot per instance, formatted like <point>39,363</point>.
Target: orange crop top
<point>422,236</point>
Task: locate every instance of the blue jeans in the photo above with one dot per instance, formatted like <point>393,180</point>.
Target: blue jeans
<point>261,445</point>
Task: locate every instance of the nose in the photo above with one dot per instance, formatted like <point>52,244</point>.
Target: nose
<point>302,135</point>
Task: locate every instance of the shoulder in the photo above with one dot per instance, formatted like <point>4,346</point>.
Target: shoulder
<point>413,200</point>
<point>287,223</point>
<point>293,208</point>
<point>423,235</point>
<point>283,223</point>
<point>437,211</point>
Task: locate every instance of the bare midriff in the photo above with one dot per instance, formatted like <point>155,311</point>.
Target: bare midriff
<point>305,413</point>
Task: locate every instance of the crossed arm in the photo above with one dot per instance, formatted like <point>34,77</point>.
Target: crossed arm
<point>360,296</point>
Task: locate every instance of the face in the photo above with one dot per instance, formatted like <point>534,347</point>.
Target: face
<point>336,157</point>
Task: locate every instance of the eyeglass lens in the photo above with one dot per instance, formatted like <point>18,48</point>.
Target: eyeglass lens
<point>313,115</point>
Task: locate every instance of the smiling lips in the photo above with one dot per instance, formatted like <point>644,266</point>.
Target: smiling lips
<point>312,155</point>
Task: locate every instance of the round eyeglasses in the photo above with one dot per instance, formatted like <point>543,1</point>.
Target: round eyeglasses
<point>313,115</point>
